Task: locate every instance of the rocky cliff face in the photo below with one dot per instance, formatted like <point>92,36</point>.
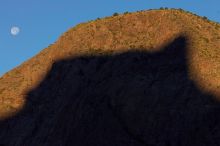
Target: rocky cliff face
<point>102,83</point>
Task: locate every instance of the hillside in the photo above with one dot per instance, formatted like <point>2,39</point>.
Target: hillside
<point>132,59</point>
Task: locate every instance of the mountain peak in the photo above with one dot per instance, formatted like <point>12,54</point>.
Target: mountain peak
<point>143,30</point>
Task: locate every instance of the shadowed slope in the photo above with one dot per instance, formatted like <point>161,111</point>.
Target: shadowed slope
<point>146,30</point>
<point>129,99</point>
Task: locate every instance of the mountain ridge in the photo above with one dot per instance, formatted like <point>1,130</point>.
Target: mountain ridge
<point>147,30</point>
<point>138,79</point>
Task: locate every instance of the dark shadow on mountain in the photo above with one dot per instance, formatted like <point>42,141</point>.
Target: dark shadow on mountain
<point>135,98</point>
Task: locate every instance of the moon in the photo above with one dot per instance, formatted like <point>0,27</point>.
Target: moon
<point>15,30</point>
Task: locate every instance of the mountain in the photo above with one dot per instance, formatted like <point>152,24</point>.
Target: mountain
<point>135,79</point>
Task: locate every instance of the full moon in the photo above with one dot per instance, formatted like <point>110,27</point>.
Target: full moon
<point>15,30</point>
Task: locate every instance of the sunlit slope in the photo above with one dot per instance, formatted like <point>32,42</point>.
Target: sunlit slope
<point>145,30</point>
